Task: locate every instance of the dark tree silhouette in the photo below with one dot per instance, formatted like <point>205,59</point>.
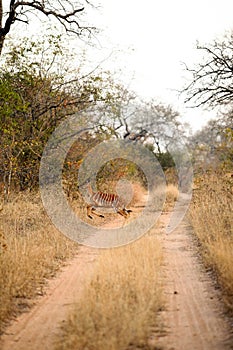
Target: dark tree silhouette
<point>212,80</point>
<point>66,12</point>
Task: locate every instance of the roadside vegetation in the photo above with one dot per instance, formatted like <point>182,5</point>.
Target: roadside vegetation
<point>34,250</point>
<point>210,86</point>
<point>212,220</point>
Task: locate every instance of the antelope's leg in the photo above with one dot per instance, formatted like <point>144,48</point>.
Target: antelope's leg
<point>91,210</point>
<point>122,212</point>
<point>97,214</point>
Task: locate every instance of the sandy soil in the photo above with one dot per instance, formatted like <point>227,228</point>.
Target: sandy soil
<point>193,318</point>
<point>37,329</point>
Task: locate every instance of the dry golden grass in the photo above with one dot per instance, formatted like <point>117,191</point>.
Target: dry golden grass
<point>212,219</point>
<point>172,193</point>
<point>120,304</point>
<point>35,250</point>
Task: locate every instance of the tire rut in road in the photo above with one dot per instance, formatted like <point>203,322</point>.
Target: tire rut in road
<point>194,317</point>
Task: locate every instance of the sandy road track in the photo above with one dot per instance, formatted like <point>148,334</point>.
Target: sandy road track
<point>193,318</point>
<point>37,329</point>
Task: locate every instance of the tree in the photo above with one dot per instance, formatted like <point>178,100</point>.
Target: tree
<point>153,122</point>
<point>212,145</point>
<point>212,80</point>
<point>66,12</point>
<point>212,86</point>
<point>38,89</point>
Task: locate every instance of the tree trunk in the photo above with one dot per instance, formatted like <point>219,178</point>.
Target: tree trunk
<point>1,13</point>
<point>1,35</point>
<point>1,43</point>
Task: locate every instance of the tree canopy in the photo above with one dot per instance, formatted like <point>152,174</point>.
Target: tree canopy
<point>39,88</point>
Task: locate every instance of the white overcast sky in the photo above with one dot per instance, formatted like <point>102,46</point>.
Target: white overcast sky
<point>155,37</point>
<point>149,40</point>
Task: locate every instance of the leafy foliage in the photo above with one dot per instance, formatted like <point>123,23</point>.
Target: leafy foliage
<point>39,88</point>
<point>33,101</point>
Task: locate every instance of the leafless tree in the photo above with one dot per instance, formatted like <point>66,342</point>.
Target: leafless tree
<point>66,12</point>
<point>212,80</point>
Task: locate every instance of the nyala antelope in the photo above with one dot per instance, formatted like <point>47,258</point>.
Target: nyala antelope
<point>105,200</point>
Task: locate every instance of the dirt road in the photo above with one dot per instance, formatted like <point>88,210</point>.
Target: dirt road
<point>37,329</point>
<point>193,319</point>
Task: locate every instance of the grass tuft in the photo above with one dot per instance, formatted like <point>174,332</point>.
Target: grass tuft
<point>172,194</point>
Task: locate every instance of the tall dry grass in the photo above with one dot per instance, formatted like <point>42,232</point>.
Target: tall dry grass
<point>212,220</point>
<point>120,304</point>
<point>35,250</point>
<point>172,194</point>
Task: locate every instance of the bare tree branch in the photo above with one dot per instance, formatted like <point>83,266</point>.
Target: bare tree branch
<point>66,12</point>
<point>212,80</point>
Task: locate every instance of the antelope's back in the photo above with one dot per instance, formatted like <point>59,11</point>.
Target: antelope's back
<point>106,200</point>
